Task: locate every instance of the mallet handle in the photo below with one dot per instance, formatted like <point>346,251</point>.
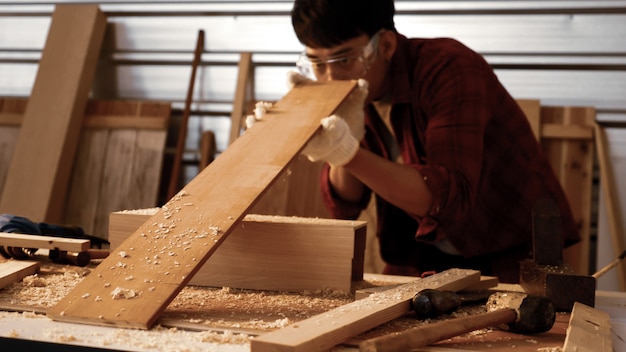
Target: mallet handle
<point>431,333</point>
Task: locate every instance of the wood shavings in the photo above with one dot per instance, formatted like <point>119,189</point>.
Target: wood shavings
<point>123,293</point>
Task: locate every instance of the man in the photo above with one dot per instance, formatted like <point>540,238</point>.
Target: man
<point>446,150</point>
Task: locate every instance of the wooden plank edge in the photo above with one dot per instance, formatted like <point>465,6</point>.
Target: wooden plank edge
<point>46,242</point>
<point>486,283</point>
<point>103,121</point>
<point>589,330</point>
<point>15,270</point>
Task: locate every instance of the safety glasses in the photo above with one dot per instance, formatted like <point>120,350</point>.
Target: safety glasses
<point>351,66</point>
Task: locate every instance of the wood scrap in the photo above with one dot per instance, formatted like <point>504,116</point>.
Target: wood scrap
<point>589,330</point>
<point>39,174</point>
<point>160,258</point>
<point>322,332</point>
<point>15,270</point>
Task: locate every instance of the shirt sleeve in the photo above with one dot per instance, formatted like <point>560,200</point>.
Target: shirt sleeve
<point>337,207</point>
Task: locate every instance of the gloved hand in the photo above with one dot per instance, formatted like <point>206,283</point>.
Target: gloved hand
<point>333,143</point>
<point>351,110</point>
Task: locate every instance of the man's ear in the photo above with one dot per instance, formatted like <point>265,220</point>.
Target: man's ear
<point>387,44</point>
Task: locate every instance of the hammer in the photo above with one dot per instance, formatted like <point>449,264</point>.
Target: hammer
<point>522,313</point>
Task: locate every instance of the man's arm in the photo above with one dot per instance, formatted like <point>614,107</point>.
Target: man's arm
<point>400,185</point>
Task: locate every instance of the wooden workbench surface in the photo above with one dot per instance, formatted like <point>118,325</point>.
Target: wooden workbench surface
<point>241,314</point>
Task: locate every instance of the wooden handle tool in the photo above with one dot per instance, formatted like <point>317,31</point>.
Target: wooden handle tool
<point>522,313</point>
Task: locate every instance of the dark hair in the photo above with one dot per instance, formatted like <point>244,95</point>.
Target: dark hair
<point>327,23</point>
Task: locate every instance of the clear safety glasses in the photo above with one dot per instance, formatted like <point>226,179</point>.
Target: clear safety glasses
<point>351,66</point>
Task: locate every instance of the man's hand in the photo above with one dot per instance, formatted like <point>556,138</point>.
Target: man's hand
<point>333,143</point>
<point>351,110</point>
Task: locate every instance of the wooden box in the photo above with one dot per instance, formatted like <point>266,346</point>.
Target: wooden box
<point>276,253</point>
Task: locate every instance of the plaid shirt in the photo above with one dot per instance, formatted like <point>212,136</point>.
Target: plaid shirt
<point>457,125</point>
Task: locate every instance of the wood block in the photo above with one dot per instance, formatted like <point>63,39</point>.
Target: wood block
<point>276,253</point>
<point>160,258</point>
<point>323,331</point>
<point>45,242</point>
<point>589,330</point>
<point>38,178</point>
<point>14,270</point>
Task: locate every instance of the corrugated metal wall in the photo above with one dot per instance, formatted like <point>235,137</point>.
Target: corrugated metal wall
<point>562,52</point>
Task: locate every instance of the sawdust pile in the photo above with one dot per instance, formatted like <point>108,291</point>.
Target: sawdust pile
<point>216,315</point>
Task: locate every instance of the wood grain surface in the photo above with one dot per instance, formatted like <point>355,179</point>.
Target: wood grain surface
<point>138,280</point>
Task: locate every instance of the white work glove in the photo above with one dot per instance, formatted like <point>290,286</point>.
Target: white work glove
<point>333,143</point>
<point>351,110</point>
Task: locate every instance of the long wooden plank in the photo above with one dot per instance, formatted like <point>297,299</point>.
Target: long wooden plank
<point>276,253</point>
<point>323,331</point>
<point>14,270</point>
<point>138,280</point>
<point>42,162</point>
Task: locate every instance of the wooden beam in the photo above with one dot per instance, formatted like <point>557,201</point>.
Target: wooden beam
<point>244,94</point>
<point>44,242</point>
<point>160,258</point>
<point>15,270</point>
<point>40,169</point>
<point>326,330</point>
<point>274,253</point>
<point>613,206</point>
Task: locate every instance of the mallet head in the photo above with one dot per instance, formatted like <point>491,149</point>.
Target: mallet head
<point>535,314</point>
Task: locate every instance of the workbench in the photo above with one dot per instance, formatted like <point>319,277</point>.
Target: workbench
<point>225,319</point>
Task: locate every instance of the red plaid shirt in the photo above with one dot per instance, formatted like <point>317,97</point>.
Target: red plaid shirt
<point>457,125</point>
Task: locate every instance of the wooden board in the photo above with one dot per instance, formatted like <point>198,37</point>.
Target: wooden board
<point>42,162</point>
<point>45,242</point>
<point>322,332</point>
<point>274,253</point>
<point>160,258</point>
<point>589,330</point>
<point>14,270</point>
<point>11,111</point>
